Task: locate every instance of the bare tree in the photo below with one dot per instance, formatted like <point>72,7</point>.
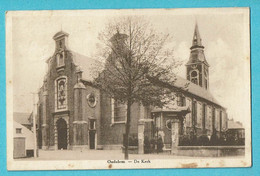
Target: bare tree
<point>138,68</point>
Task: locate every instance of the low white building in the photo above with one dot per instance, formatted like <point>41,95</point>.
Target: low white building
<point>23,141</point>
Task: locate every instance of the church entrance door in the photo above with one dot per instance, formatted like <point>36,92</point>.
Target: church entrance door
<point>62,134</point>
<point>92,136</point>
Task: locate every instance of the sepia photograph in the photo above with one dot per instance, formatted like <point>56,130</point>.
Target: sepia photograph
<point>128,89</point>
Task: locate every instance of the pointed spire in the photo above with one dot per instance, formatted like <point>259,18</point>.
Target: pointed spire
<point>196,37</point>
<point>197,49</point>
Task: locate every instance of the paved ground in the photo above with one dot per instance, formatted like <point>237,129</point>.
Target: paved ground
<point>97,155</point>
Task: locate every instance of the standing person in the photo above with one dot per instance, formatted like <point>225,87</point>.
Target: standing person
<point>147,145</point>
<point>160,144</point>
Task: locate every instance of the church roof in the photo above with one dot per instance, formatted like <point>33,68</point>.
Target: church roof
<point>87,65</point>
<point>60,34</point>
<point>197,57</point>
<point>195,89</point>
<point>90,66</point>
<point>22,118</point>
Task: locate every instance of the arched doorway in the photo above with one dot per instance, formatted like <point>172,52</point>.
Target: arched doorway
<point>62,133</point>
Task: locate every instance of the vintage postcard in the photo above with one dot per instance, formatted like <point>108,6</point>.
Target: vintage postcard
<point>128,89</point>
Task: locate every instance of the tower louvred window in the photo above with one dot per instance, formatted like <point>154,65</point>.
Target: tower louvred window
<point>194,77</point>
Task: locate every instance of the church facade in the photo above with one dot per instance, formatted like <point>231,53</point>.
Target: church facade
<point>74,114</point>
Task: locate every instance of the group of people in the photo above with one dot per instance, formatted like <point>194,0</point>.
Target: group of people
<point>154,145</point>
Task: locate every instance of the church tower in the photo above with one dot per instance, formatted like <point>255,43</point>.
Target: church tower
<point>197,66</point>
<point>61,40</point>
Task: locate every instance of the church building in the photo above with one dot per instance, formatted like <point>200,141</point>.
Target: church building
<point>74,114</point>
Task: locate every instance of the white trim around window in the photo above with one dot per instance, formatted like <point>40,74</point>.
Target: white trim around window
<point>113,114</point>
<point>56,94</point>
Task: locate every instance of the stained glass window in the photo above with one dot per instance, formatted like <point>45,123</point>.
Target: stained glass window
<point>61,93</point>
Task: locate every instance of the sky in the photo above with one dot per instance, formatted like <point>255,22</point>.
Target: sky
<point>224,33</point>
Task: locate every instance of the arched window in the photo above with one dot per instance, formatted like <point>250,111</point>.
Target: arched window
<point>206,78</point>
<point>194,76</point>
<point>194,113</point>
<point>206,83</point>
<point>61,93</point>
<point>118,111</point>
<point>213,118</point>
<point>204,116</point>
<point>60,59</point>
<point>189,115</point>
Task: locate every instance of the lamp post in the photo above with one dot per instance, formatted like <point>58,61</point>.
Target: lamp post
<point>157,136</point>
<point>34,128</point>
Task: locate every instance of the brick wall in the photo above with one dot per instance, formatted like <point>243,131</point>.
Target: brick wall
<point>52,75</point>
<point>112,134</point>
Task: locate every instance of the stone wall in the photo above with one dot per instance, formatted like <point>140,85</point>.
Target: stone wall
<point>209,151</point>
